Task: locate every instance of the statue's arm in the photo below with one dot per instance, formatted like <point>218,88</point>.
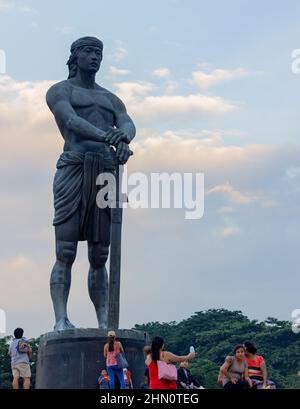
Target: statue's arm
<point>58,100</point>
<point>123,120</point>
<point>125,130</point>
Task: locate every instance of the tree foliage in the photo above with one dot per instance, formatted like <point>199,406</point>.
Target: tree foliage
<point>214,333</point>
<point>5,367</point>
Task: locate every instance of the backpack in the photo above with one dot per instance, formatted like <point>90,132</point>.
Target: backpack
<point>23,347</point>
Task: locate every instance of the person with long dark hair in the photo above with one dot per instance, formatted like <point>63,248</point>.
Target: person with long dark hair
<point>257,368</point>
<point>111,349</point>
<point>234,371</point>
<point>158,354</point>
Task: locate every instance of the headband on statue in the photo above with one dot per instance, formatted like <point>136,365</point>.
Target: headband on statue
<point>86,41</point>
<point>81,42</point>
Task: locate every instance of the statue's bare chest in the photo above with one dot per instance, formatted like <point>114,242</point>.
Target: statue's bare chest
<point>93,105</point>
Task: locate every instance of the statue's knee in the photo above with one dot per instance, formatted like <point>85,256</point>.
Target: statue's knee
<point>98,256</point>
<point>66,251</point>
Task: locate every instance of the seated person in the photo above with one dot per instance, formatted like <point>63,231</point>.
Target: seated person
<point>257,368</point>
<point>235,371</point>
<point>185,379</point>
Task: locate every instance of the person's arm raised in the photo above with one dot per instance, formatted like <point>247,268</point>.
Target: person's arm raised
<point>169,356</point>
<point>58,100</point>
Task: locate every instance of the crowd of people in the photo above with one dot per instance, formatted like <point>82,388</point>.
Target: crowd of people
<point>244,369</point>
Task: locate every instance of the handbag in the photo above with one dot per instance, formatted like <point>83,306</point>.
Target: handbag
<point>166,371</point>
<point>121,361</point>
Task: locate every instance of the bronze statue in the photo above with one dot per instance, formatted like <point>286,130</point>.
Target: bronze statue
<point>97,132</point>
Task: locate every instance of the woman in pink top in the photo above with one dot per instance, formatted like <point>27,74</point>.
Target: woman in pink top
<point>111,349</point>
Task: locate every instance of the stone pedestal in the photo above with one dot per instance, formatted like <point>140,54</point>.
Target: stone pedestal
<point>73,359</point>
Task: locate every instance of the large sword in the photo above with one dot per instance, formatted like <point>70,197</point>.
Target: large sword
<point>115,256</point>
<point>115,253</point>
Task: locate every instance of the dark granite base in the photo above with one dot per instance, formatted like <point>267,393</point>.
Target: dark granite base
<point>73,359</point>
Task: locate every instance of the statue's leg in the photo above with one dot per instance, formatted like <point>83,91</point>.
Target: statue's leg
<point>61,281</point>
<point>98,281</point>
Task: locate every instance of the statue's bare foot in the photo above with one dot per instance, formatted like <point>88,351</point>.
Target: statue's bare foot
<point>63,324</point>
<point>102,321</point>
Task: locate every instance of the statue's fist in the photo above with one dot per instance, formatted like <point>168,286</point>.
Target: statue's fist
<point>123,153</point>
<point>114,136</point>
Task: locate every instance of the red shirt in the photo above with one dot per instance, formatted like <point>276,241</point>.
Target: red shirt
<point>127,377</point>
<point>254,365</point>
<point>155,382</point>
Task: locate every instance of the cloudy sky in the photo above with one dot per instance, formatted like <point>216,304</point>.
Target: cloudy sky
<point>210,87</point>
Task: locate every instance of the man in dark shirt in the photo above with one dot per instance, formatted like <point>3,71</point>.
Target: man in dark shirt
<point>185,379</point>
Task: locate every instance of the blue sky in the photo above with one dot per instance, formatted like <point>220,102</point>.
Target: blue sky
<point>210,88</point>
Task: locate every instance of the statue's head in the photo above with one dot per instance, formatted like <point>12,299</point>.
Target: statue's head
<point>86,55</point>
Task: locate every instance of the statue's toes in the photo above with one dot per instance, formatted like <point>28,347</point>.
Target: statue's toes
<point>63,324</point>
<point>69,324</point>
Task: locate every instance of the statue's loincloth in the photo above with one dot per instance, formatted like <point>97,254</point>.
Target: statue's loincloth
<point>75,189</point>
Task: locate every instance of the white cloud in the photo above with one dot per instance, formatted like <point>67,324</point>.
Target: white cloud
<point>205,80</point>
<point>170,87</point>
<point>293,172</point>
<point>117,71</point>
<point>149,107</point>
<point>27,284</point>
<point>144,106</point>
<point>235,176</point>
<point>229,231</point>
<point>269,204</point>
<point>234,195</point>
<point>152,29</point>
<point>156,106</point>
<point>161,72</point>
<point>65,30</point>
<point>226,209</point>
<point>129,91</point>
<point>6,5</point>
<point>119,52</point>
<point>28,130</point>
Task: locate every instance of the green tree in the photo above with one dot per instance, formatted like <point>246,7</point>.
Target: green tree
<point>215,332</point>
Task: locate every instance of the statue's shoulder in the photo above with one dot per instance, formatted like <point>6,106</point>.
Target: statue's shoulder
<point>58,91</point>
<point>114,99</point>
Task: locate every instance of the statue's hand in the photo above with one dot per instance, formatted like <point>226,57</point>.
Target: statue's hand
<point>114,136</point>
<point>123,152</point>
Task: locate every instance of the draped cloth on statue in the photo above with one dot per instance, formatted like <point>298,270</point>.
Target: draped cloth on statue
<point>75,189</point>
